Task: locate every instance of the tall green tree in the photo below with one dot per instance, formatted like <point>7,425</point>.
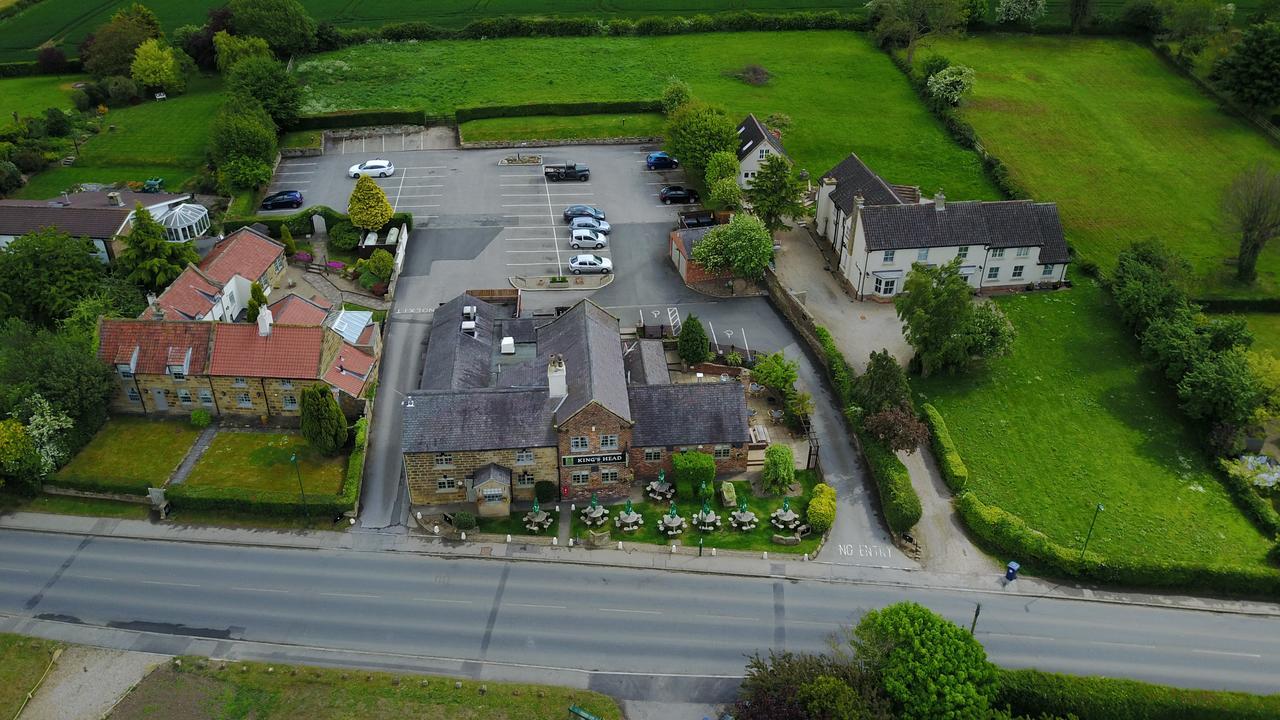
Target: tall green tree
<point>19,463</point>
<point>149,259</point>
<point>368,207</point>
<point>43,275</point>
<point>142,16</point>
<point>1251,71</point>
<point>231,49</point>
<point>1222,389</point>
<point>776,193</point>
<point>776,372</point>
<point>265,79</point>
<point>882,385</point>
<point>115,42</point>
<point>242,128</point>
<point>696,131</point>
<point>1251,206</point>
<point>779,469</point>
<point>722,165</point>
<point>63,367</point>
<point>156,66</point>
<point>675,94</point>
<point>942,324</point>
<point>323,424</point>
<point>1081,13</point>
<point>907,23</point>
<point>743,246</point>
<point>284,24</point>
<point>257,301</point>
<point>692,345</point>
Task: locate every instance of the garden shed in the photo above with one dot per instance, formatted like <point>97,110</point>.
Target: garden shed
<point>185,222</point>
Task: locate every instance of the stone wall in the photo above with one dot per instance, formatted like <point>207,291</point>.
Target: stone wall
<point>795,313</point>
<point>423,473</point>
<point>146,384</point>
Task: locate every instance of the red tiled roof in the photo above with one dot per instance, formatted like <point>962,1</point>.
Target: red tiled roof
<point>156,342</point>
<point>366,335</point>
<point>186,298</point>
<point>289,351</point>
<point>349,371</point>
<point>295,310</point>
<point>244,252</point>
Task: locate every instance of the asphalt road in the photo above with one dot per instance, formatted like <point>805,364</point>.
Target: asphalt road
<point>614,621</point>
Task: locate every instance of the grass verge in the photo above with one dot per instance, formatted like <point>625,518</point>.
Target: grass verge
<point>22,662</point>
<point>562,127</point>
<point>130,454</point>
<point>513,524</point>
<point>302,139</point>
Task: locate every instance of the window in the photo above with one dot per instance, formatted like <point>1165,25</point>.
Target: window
<point>175,372</point>
<point>993,273</point>
<point>444,459</point>
<point>231,297</point>
<point>1046,271</point>
<point>885,287</point>
<point>721,452</point>
<point>240,382</point>
<point>289,401</point>
<point>125,372</point>
<point>764,153</point>
<point>286,384</point>
<point>652,454</point>
<point>134,396</point>
<point>493,495</point>
<point>524,457</point>
<point>922,255</point>
<point>1024,252</point>
<point>997,253</point>
<point>579,444</point>
<point>242,399</point>
<point>525,479</point>
<point>184,397</point>
<point>1017,272</point>
<point>608,442</point>
<point>962,252</point>
<point>445,484</point>
<point>279,263</point>
<point>888,257</point>
<point>206,397</point>
<point>608,475</point>
<point>581,477</point>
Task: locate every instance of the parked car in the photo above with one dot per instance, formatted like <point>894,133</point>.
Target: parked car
<point>579,264</point>
<point>590,223</point>
<point>567,171</point>
<point>372,168</point>
<point>574,211</point>
<point>282,199</point>
<point>582,237</point>
<point>661,161</point>
<point>678,195</point>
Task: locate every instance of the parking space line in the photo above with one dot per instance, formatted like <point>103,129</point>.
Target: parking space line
<point>528,227</point>
<point>713,335</point>
<point>546,186</point>
<point>396,204</point>
<point>541,264</point>
<point>417,206</point>
<point>409,186</point>
<point>523,175</point>
<point>426,167</point>
<point>425,195</point>
<point>525,204</point>
<point>301,164</point>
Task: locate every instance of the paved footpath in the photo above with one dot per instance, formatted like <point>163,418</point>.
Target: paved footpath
<point>685,560</point>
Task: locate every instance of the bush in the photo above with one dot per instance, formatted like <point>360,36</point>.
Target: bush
<point>344,236</point>
<point>10,177</point>
<point>464,520</point>
<point>951,84</point>
<point>123,487</point>
<point>200,418</point>
<point>691,470</point>
<point>120,90</point>
<point>898,499</point>
<point>28,159</point>
<point>81,100</point>
<point>546,491</point>
<point>675,94</point>
<point>779,469</point>
<point>932,65</point>
<point>56,123</point>
<point>821,513</point>
<point>954,472</point>
<point>1141,17</point>
<point>242,128</point>
<point>1032,692</point>
<point>243,173</point>
<point>50,60</point>
<point>841,375</point>
<point>776,372</point>
<point>260,502</point>
<point>692,345</point>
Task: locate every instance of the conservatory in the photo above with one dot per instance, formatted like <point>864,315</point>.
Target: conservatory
<point>185,222</point>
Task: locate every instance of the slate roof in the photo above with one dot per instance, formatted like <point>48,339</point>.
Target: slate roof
<point>751,132</point>
<point>1011,223</point>
<point>157,343</point>
<point>586,336</point>
<point>471,419</point>
<point>245,252</point>
<point>290,351</point>
<point>689,414</point>
<point>853,178</point>
<point>688,237</point>
<point>96,223</point>
<point>294,309</point>
<point>455,361</point>
<point>646,363</point>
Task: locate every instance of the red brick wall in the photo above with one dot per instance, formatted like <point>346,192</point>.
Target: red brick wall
<point>693,272</point>
<point>592,422</point>
<point>648,469</point>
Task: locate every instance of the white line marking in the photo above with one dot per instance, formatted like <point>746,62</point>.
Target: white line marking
<point>535,605</point>
<point>637,612</point>
<point>523,175</point>
<point>525,204</point>
<point>1225,652</point>
<point>527,251</point>
<point>396,204</point>
<point>811,622</point>
<point>266,590</point>
<point>729,617</point>
<point>95,577</point>
<point>546,187</point>
<point>301,164</point>
<point>745,345</point>
<point>14,569</point>
<point>347,595</point>
<point>541,264</point>
<point>713,335</point>
<point>170,584</point>
<point>425,195</point>
<point>528,227</point>
<point>1018,637</point>
<point>1121,644</point>
<point>442,600</point>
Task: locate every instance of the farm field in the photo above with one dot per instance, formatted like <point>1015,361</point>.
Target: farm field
<point>562,127</point>
<point>853,100</point>
<point>1127,148</point>
<point>1072,418</point>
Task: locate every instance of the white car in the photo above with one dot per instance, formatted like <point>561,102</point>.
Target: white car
<point>372,168</point>
<point>583,237</point>
<point>579,264</point>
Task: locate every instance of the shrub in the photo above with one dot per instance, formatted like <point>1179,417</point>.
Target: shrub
<point>10,177</point>
<point>200,418</point>
<point>897,428</point>
<point>381,264</point>
<point>932,65</point>
<point>546,491</point>
<point>243,173</point>
<point>266,80</point>
<point>821,513</point>
<point>775,372</point>
<point>692,344</point>
<point>81,100</point>
<point>344,236</point>
<point>50,60</point>
<point>56,123</point>
<point>838,370</point>
<point>779,469</point>
<point>691,470</point>
<point>120,90</point>
<point>951,84</point>
<point>675,94</point>
<point>29,159</point>
<point>883,385</point>
<point>242,128</point>
<point>898,499</point>
<point>286,239</point>
<point>1141,17</point>
<point>954,472</point>
<point>322,422</point>
<point>1033,692</point>
<point>368,207</point>
<point>464,520</point>
<point>729,494</point>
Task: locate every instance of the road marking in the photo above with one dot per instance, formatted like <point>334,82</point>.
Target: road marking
<point>396,203</point>
<point>301,164</point>
<point>526,251</point>
<point>729,617</point>
<point>636,612</point>
<point>523,185</point>
<point>1225,652</point>
<point>426,167</point>
<point>347,595</point>
<point>442,600</point>
<point>300,172</point>
<point>1117,644</point>
<point>291,182</point>
<point>1016,636</point>
<point>170,584</point>
<point>541,264</point>
<point>531,239</point>
<point>535,605</point>
<point>811,622</point>
<point>424,195</point>
<point>745,345</point>
<point>527,205</point>
<point>523,175</point>
<point>266,590</point>
<point>713,335</point>
<point>546,187</point>
<point>530,227</point>
<point>14,569</point>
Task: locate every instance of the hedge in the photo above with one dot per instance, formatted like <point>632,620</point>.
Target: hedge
<point>1032,693</point>
<point>601,107</point>
<point>1240,305</point>
<point>28,68</point>
<point>546,491</point>
<point>1258,508</point>
<point>898,499</point>
<point>821,513</point>
<point>362,118</point>
<point>838,370</point>
<point>1002,532</point>
<point>952,465</point>
<point>300,222</point>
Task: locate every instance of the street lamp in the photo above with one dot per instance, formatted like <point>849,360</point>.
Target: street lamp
<point>293,458</point>
<point>1096,510</point>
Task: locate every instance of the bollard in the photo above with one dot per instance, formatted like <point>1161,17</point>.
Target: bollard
<point>619,544</point>
<point>766,554</point>
<point>713,552</point>
<point>570,542</point>
<point>418,514</point>
<point>806,557</point>
<point>673,549</point>
<point>464,535</point>
<point>573,507</point>
<point>555,541</point>
<point>435,529</point>
<point>508,537</point>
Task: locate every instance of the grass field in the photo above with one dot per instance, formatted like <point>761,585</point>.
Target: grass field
<point>115,453</point>
<point>22,662</point>
<point>33,95</point>
<point>1266,330</point>
<point>260,461</point>
<point>853,99</point>
<point>560,127</point>
<point>1072,419</point>
<point>1128,149</point>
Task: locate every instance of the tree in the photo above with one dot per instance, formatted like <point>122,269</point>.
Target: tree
<point>790,686</point>
<point>1222,389</point>
<point>722,165</point>
<point>1251,71</point>
<point>19,464</point>
<point>115,43</point>
<point>197,41</point>
<point>381,264</point>
<point>1019,12</point>
<point>726,193</point>
<point>10,177</point>
<point>692,345</point>
<point>257,301</point>
<point>368,207</point>
<point>990,332</point>
<point>1147,283</point>
<point>156,66</point>
<point>928,666</point>
<point>47,428</point>
<point>950,84</point>
<point>779,469</point>
<point>142,16</point>
<point>908,22</point>
<point>231,49</point>
<point>43,274</point>
<point>743,246</point>
<point>243,173</point>
<point>242,128</point>
<point>50,59</point>
<point>897,428</point>
<point>286,239</point>
<point>323,424</point>
<point>696,131</point>
<point>941,323</point>
<point>675,94</point>
<point>1081,13</point>
<point>284,24</point>
<point>265,79</point>
<point>1251,206</point>
<point>62,367</point>
<point>56,123</point>
<point>830,698</point>
<point>1192,23</point>
<point>149,259</point>
<point>883,385</point>
<point>776,372</point>
<point>114,298</point>
<point>776,193</point>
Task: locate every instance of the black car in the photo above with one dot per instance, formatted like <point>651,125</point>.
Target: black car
<point>678,195</point>
<point>282,199</point>
<point>574,211</point>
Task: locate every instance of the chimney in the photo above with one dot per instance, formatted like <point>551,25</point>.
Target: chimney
<point>151,299</point>
<point>66,199</point>
<point>939,201</point>
<point>113,198</point>
<point>858,203</point>
<point>264,322</point>
<point>557,383</point>
<point>828,180</point>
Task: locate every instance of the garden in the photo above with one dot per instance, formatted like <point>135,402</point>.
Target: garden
<point>260,462</point>
<point>23,661</point>
<point>128,455</point>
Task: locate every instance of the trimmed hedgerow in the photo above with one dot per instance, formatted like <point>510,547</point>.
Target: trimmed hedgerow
<point>599,107</point>
<point>952,465</point>
<point>821,513</point>
<point>300,222</point>
<point>1031,693</point>
<point>842,376</point>
<point>898,499</point>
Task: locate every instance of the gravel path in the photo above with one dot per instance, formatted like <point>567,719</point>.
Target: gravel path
<point>87,682</point>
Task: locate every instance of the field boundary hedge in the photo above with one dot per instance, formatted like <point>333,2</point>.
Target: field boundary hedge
<point>361,118</point>
<point>1032,693</point>
<point>898,498</point>
<point>954,472</point>
<point>602,107</point>
<point>30,68</point>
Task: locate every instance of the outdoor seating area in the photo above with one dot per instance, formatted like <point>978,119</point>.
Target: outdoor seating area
<point>784,518</point>
<point>706,519</point>
<point>628,520</point>
<point>537,520</point>
<point>672,524</point>
<point>660,490</point>
<point>743,519</point>
<point>594,514</point>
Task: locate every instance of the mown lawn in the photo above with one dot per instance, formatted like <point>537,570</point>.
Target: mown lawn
<point>561,127</point>
<point>33,95</point>
<point>1128,149</point>
<point>513,524</point>
<point>22,662</point>
<point>260,461</point>
<point>1072,419</point>
<point>131,450</point>
<point>842,94</point>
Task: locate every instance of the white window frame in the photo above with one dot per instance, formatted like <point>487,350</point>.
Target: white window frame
<point>444,459</point>
<point>997,252</point>
<point>493,495</point>
<point>609,475</point>
<point>286,384</point>
<point>579,443</point>
<point>526,479</point>
<point>1046,271</point>
<point>722,452</point>
<point>653,454</point>
<point>524,457</point>
<point>580,477</point>
<point>888,256</point>
<point>609,442</point>
<point>922,255</point>
<point>289,401</point>
<point>134,395</point>
<point>184,396</point>
<point>206,397</point>
<point>243,400</point>
<point>279,263</point>
<point>993,273</point>
<point>124,371</point>
<point>240,382</point>
<point>962,252</point>
<point>885,286</point>
<point>764,153</point>
<point>446,484</point>
<point>1017,272</point>
<point>1023,252</point>
<point>175,372</point>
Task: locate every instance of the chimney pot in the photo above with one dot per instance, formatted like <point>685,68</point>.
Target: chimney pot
<point>557,382</point>
<point>939,201</point>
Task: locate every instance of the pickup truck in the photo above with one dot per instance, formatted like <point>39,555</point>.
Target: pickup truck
<point>568,171</point>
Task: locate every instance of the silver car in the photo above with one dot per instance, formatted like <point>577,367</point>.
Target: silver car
<point>373,168</point>
<point>579,264</point>
<point>582,237</point>
<point>590,223</point>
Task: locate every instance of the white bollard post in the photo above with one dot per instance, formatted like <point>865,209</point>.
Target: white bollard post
<point>619,544</point>
<point>573,507</point>
<point>508,537</point>
<point>806,557</point>
<point>713,552</point>
<point>555,541</point>
<point>435,529</point>
<point>673,549</point>
<point>570,542</point>
<point>464,536</point>
<point>418,514</point>
<point>766,554</point>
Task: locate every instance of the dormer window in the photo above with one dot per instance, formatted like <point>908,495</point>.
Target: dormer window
<point>175,371</point>
<point>125,371</point>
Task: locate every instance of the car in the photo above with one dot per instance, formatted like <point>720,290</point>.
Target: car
<point>582,237</point>
<point>574,211</point>
<point>661,161</point>
<point>579,264</point>
<point>372,168</point>
<point>678,195</point>
<point>282,199</point>
<point>590,223</point>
